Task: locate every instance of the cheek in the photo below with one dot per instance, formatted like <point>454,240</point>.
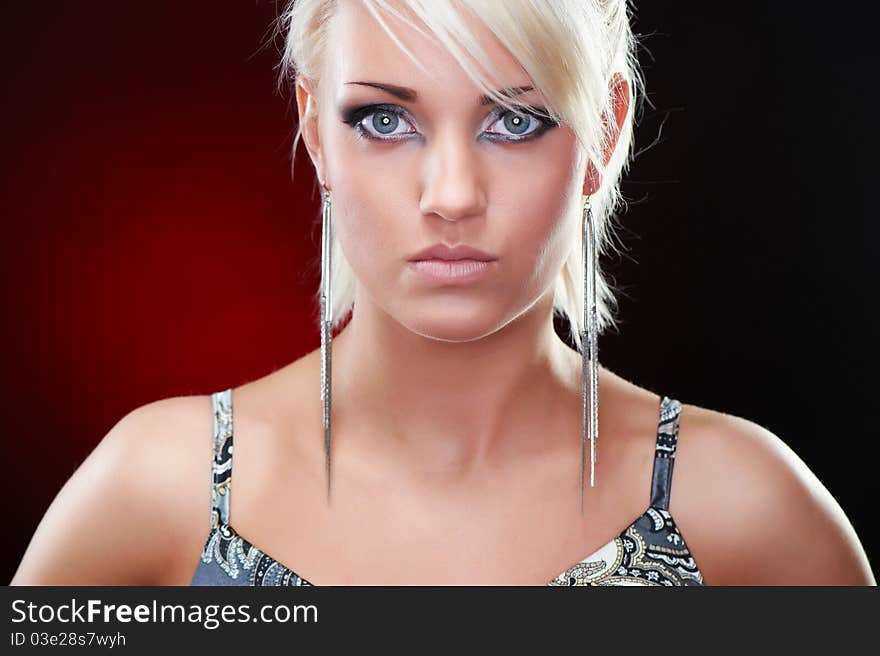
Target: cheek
<point>366,222</point>
<point>539,203</point>
<point>539,243</point>
<point>368,234</point>
<point>368,204</point>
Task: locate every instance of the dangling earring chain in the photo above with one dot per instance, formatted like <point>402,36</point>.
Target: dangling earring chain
<point>326,326</point>
<point>589,348</point>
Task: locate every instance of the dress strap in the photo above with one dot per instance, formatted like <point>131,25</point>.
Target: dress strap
<point>664,452</point>
<point>221,464</point>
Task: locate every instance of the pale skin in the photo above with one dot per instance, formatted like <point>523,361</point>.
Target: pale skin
<point>457,416</point>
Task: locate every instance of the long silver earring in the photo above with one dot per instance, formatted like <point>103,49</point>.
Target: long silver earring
<point>326,324</point>
<point>589,349</point>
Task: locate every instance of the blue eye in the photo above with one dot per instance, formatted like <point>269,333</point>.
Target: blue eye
<point>379,123</point>
<point>518,124</point>
<point>385,122</point>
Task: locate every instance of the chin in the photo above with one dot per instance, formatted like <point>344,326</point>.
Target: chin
<point>451,326</point>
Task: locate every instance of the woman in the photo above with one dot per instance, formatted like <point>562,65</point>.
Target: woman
<point>455,408</point>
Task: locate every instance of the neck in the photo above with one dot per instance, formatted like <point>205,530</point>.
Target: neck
<point>449,409</point>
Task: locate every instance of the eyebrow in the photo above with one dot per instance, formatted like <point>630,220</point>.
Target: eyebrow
<point>410,95</point>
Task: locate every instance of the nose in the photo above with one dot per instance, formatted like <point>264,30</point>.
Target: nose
<point>453,188</point>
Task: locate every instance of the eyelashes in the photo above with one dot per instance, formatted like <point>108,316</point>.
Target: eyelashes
<point>385,120</point>
<point>383,116</point>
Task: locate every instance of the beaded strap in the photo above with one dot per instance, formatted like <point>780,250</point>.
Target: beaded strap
<point>664,452</point>
<point>221,464</point>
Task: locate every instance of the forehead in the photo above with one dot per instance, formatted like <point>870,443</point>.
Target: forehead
<point>360,49</point>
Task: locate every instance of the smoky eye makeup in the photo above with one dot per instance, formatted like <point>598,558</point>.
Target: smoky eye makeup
<point>383,122</point>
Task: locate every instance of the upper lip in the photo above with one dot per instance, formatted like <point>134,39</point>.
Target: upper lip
<point>459,252</point>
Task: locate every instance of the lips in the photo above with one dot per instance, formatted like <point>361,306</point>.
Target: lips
<point>451,272</point>
<point>452,253</point>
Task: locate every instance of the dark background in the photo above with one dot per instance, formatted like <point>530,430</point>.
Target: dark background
<point>153,244</point>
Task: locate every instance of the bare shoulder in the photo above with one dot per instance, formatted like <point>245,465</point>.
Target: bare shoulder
<point>137,510</point>
<point>753,513</point>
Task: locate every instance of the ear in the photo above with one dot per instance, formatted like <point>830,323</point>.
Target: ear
<point>307,109</point>
<point>620,91</point>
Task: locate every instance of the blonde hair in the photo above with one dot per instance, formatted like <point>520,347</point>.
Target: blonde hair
<point>574,51</point>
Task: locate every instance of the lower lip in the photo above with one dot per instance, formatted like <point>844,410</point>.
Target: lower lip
<point>458,272</point>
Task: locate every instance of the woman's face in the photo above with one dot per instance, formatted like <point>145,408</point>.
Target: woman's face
<point>438,167</point>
